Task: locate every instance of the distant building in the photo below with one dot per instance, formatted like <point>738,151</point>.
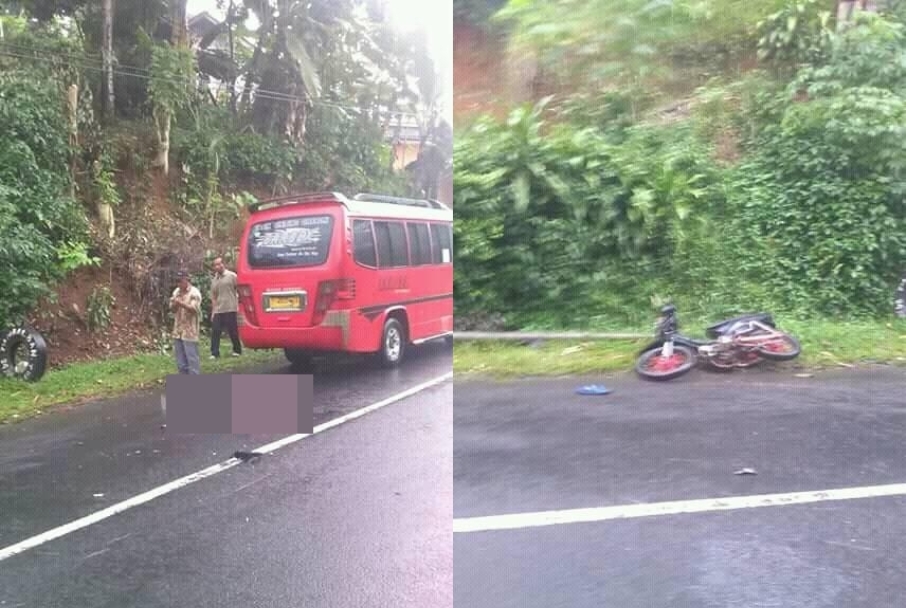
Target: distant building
<point>404,135</point>
<point>204,23</point>
<point>201,25</point>
<point>216,53</point>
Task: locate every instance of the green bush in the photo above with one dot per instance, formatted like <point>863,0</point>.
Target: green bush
<point>593,221</point>
<point>821,199</point>
<point>98,307</point>
<point>252,157</point>
<point>211,144</point>
<point>800,32</point>
<point>563,221</point>
<point>345,151</point>
<point>42,230</point>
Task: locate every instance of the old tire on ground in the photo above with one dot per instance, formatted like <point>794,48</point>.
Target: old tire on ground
<point>23,354</point>
<point>781,348</point>
<point>393,343</point>
<point>651,365</point>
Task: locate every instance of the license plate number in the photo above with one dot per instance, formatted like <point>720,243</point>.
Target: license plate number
<point>284,303</point>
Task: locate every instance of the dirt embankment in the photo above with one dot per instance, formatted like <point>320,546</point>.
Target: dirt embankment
<point>154,237</point>
<point>479,74</point>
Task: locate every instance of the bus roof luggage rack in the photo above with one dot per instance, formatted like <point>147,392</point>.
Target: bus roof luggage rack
<point>295,199</point>
<point>398,200</point>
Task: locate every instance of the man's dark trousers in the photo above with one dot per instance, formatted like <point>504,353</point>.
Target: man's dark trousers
<point>225,320</point>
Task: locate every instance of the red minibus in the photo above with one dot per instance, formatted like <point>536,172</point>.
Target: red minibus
<point>322,273</point>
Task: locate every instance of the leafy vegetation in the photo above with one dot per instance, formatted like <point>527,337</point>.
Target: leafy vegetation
<point>778,188</point>
<point>43,232</point>
<point>801,32</point>
<point>98,308</point>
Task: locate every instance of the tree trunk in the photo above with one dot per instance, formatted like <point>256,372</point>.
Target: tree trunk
<point>162,120</point>
<point>105,213</point>
<point>179,37</point>
<point>230,16</point>
<point>209,203</point>
<point>263,30</point>
<point>72,100</point>
<point>107,51</point>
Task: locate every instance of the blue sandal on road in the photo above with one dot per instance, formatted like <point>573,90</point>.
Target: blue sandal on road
<point>593,389</point>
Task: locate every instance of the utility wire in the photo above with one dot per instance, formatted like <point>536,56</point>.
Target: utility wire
<point>86,63</point>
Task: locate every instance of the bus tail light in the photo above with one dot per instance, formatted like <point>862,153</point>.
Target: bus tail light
<point>248,303</point>
<point>329,292</point>
<point>346,289</point>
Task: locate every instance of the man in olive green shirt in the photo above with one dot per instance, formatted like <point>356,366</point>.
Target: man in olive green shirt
<point>224,306</point>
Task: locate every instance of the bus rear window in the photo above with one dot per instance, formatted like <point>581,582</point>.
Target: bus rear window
<point>291,242</point>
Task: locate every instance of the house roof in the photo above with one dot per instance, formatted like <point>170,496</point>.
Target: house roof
<point>201,24</point>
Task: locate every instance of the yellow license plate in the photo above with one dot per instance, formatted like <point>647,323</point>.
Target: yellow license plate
<point>284,303</point>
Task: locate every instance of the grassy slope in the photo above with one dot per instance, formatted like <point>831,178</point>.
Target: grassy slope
<point>83,381</point>
<point>824,343</point>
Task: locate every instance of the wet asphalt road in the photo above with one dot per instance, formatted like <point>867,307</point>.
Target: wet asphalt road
<point>356,516</point>
<point>534,445</point>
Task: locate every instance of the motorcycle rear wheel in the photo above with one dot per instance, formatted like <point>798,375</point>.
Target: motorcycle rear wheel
<point>781,348</point>
<point>652,365</point>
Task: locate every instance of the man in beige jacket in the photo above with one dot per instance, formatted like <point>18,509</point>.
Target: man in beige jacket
<point>186,306</point>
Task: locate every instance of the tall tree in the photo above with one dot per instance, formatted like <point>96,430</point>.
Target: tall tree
<point>171,89</point>
<point>179,24</point>
<point>107,56</point>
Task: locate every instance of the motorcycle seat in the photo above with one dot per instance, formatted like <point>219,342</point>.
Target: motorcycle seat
<point>719,329</point>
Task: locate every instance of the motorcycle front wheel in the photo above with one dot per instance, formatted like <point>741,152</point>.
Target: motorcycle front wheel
<point>653,365</point>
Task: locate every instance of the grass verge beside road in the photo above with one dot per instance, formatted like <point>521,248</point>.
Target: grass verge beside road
<point>97,379</point>
<point>824,344</point>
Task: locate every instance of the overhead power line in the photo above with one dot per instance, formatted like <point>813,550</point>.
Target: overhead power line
<point>87,63</point>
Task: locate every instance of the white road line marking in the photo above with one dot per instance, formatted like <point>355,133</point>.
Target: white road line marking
<point>517,521</point>
<point>159,491</point>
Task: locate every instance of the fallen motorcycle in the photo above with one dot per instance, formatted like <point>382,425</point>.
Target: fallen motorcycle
<point>739,342</point>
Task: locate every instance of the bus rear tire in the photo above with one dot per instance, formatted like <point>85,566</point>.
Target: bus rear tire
<point>393,343</point>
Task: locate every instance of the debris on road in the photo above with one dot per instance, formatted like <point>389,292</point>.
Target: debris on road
<point>746,472</point>
<point>804,375</point>
<point>246,456</point>
<point>593,389</point>
<point>99,496</point>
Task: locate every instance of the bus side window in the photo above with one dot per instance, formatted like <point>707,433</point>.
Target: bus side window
<point>399,246</point>
<point>363,243</point>
<point>420,244</point>
<point>393,250</point>
<point>442,244</point>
